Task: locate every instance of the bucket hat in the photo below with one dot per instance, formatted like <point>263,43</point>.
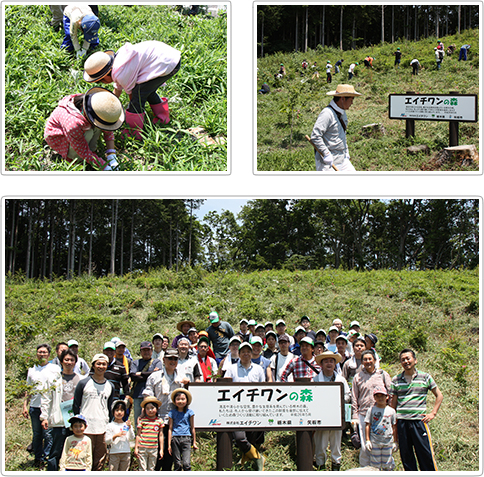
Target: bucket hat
<point>346,90</point>
<point>103,109</point>
<point>98,65</point>
<point>90,26</point>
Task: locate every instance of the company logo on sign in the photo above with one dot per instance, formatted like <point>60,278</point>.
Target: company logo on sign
<point>213,422</point>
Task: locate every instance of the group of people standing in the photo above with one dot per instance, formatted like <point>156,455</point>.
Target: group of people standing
<point>77,411</point>
<point>74,128</point>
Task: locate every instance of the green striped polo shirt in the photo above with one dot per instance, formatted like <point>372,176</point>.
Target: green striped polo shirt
<point>412,397</point>
<point>149,431</point>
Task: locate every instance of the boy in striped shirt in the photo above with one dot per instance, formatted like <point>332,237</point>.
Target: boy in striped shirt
<point>409,399</point>
<point>149,437</point>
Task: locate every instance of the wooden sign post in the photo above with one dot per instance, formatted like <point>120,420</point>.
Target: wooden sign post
<point>225,407</point>
<point>452,107</point>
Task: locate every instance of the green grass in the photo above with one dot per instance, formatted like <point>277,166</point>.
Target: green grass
<point>38,74</point>
<point>282,148</point>
<point>435,312</point>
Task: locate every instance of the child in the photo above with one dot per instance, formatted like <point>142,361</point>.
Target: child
<point>139,70</point>
<point>381,431</point>
<point>77,453</point>
<point>181,430</point>
<point>80,16</point>
<point>74,127</point>
<point>119,433</point>
<point>150,435</point>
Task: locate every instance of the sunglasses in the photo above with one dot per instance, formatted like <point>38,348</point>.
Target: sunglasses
<point>172,359</point>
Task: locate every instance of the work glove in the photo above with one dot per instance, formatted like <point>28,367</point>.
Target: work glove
<point>368,446</point>
<point>328,160</point>
<point>81,53</point>
<point>113,161</point>
<point>395,447</point>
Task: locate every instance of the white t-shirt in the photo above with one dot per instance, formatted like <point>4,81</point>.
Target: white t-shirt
<point>37,377</point>
<point>282,362</point>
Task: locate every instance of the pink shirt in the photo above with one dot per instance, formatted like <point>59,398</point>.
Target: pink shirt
<point>143,62</point>
<point>66,127</point>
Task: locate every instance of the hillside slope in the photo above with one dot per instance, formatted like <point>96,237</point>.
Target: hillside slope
<point>435,312</point>
<point>300,98</point>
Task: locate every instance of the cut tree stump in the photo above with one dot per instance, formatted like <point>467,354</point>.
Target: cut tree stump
<point>464,155</point>
<point>460,156</point>
<point>373,130</point>
<point>413,150</point>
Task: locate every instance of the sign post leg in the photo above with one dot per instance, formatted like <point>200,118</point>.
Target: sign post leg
<point>453,133</point>
<point>224,450</point>
<point>304,451</point>
<point>409,128</point>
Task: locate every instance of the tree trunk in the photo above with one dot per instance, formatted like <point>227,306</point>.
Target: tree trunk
<point>89,266</point>
<point>12,240</point>
<point>297,28</point>
<point>29,244</point>
<point>131,239</point>
<point>114,225</point>
<point>341,29</point>
<point>322,26</point>
<point>458,19</point>
<point>306,31</point>
<point>262,38</point>
<point>383,24</point>
<point>393,24</point>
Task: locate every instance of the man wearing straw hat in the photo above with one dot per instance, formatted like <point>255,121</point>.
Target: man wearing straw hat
<point>329,132</point>
<point>328,361</point>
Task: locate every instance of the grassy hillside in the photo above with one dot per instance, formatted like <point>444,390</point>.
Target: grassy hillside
<point>38,74</point>
<point>436,312</point>
<point>300,98</point>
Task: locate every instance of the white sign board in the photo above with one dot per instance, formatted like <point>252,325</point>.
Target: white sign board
<point>433,107</point>
<point>277,406</point>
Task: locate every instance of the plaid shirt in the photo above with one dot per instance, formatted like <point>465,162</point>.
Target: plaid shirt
<point>300,369</point>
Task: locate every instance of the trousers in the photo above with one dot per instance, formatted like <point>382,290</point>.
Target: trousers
<point>414,436</point>
<point>181,450</point>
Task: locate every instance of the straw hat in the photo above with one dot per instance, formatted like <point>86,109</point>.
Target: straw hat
<point>103,109</point>
<point>150,399</point>
<point>346,90</point>
<point>98,65</point>
<point>327,355</point>
<point>181,323</point>
<point>184,391</point>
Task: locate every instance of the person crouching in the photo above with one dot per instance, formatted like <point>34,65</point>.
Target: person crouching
<point>74,127</point>
<point>139,70</point>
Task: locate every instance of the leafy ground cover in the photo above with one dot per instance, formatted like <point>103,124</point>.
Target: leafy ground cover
<point>38,74</point>
<point>289,112</point>
<point>435,312</point>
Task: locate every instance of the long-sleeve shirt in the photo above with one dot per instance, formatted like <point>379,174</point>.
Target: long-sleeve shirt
<point>329,135</point>
<point>160,384</point>
<point>76,12</point>
<point>143,62</point>
<point>362,390</point>
<point>66,127</point>
<point>77,454</point>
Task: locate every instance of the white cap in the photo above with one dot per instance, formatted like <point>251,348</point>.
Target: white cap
<point>72,343</point>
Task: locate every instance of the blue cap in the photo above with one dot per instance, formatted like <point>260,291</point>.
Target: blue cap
<point>90,26</point>
<point>78,417</point>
